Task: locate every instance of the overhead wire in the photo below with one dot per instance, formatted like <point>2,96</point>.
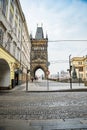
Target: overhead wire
<point>65,40</point>
<point>59,61</point>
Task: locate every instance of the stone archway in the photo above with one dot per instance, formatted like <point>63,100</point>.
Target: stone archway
<point>4,74</point>
<point>39,74</point>
<point>37,68</point>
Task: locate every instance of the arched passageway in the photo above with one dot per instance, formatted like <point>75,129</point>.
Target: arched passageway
<point>4,74</point>
<point>39,74</point>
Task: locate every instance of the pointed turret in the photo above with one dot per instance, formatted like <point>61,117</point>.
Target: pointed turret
<point>39,33</point>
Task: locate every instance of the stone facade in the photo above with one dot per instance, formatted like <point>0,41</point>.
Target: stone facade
<point>39,53</point>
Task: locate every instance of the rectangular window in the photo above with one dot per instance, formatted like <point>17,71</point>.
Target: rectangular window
<point>0,3</point>
<point>12,4</point>
<point>11,12</point>
<point>19,34</point>
<point>14,48</point>
<point>18,53</point>
<point>80,69</point>
<point>15,31</point>
<point>11,17</point>
<point>1,37</point>
<point>86,68</point>
<point>16,15</point>
<point>81,75</point>
<point>86,62</point>
<point>8,46</point>
<point>19,23</point>
<point>4,6</point>
<point>79,63</point>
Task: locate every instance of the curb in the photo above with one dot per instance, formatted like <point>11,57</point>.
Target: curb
<point>63,90</point>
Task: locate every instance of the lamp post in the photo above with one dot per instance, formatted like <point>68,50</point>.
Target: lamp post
<point>47,73</point>
<point>27,79</point>
<point>79,76</point>
<point>70,68</point>
<point>58,76</point>
<point>47,79</point>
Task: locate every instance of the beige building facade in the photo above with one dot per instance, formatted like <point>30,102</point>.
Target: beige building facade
<point>80,65</point>
<point>15,44</point>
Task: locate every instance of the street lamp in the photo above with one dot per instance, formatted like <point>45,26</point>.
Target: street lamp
<point>70,68</point>
<point>58,76</point>
<point>79,76</point>
<point>27,79</point>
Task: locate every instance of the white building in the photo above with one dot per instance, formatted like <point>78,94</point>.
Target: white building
<point>14,43</point>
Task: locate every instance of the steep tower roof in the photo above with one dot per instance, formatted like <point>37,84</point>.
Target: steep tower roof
<point>39,33</point>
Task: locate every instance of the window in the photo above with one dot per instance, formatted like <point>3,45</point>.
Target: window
<point>15,27</point>
<point>0,3</point>
<point>14,48</point>
<point>12,5</point>
<point>8,45</point>
<point>86,68</point>
<point>16,14</point>
<point>19,23</point>
<point>19,34</point>
<point>79,63</point>
<point>16,18</point>
<point>1,36</point>
<point>80,69</point>
<point>11,12</point>
<point>18,53</point>
<point>81,75</point>
<point>86,62</point>
<point>5,4</point>
<point>11,17</point>
<point>9,41</point>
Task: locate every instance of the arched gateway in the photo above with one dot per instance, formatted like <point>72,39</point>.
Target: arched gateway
<point>4,74</point>
<point>39,53</point>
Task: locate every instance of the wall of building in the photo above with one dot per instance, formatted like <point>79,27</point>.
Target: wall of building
<point>14,39</point>
<point>80,64</point>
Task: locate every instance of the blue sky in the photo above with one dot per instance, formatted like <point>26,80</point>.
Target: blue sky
<point>62,19</point>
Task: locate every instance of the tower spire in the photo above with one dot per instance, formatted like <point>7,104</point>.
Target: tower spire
<point>39,33</point>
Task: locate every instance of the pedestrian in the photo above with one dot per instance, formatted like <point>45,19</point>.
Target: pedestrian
<point>32,79</point>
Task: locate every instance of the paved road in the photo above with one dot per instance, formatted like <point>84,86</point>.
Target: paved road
<point>43,111</point>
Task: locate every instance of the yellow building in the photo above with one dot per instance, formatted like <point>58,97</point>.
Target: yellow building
<point>80,65</point>
<point>14,44</point>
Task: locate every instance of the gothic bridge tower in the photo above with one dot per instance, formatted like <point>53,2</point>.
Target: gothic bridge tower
<point>39,53</point>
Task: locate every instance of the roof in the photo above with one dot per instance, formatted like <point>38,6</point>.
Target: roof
<point>39,33</point>
<point>77,59</point>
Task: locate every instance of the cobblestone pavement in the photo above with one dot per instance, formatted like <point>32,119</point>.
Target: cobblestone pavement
<point>20,105</point>
<point>24,105</point>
